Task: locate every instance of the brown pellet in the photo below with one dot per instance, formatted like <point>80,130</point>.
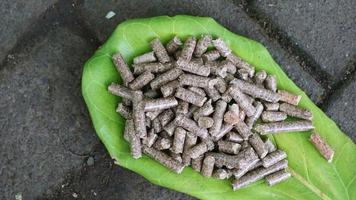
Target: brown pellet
<point>195,66</point>
<point>205,110</point>
<point>212,93</point>
<point>142,80</point>
<point>205,122</point>
<point>145,58</point>
<point>170,127</point>
<point>273,116</point>
<point>194,80</point>
<point>160,51</point>
<point>190,96</point>
<point>178,140</point>
<point>198,150</point>
<point>165,117</point>
<point>211,55</point>
<point>160,103</point>
<point>270,146</point>
<point>250,121</point>
<point>202,45</point>
<point>231,117</point>
<point>169,88</point>
<point>234,137</point>
<point>289,97</point>
<point>156,125</point>
<point>173,45</point>
<point>134,140</point>
<point>257,92</point>
<point>260,77</point>
<point>273,158</point>
<point>190,125</point>
<point>218,117</point>
<point>197,90</point>
<point>322,146</point>
<point>271,83</point>
<point>166,77</point>
<point>277,177</point>
<point>225,128</point>
<point>153,114</point>
<point>245,157</point>
<point>271,106</point>
<point>238,173</point>
<point>188,49</point>
<point>257,144</point>
<point>243,130</point>
<point>243,101</point>
<point>124,111</point>
<point>208,166</point>
<point>229,147</point>
<point>277,127</point>
<point>155,67</point>
<point>222,47</point>
<point>120,90</point>
<point>151,138</point>
<point>197,163</point>
<point>183,107</point>
<point>239,63</point>
<point>258,174</point>
<point>164,159</point>
<point>138,114</point>
<point>219,84</point>
<point>295,111</point>
<point>162,143</point>
<point>223,159</point>
<point>122,68</point>
<point>190,141</point>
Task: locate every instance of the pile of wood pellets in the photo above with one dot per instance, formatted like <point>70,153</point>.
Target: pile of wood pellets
<point>198,104</point>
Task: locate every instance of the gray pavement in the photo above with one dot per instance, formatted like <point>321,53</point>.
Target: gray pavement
<point>46,136</point>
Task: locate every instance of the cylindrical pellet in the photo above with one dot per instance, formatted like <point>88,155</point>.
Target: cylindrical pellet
<point>155,67</point>
<point>197,163</point>
<point>142,80</point>
<point>245,157</point>
<point>170,127</point>
<point>162,144</point>
<point>250,121</point>
<point>166,77</point>
<point>243,130</point>
<point>221,174</point>
<point>202,45</point>
<point>205,122</point>
<point>198,90</point>
<point>259,146</point>
<point>164,159</point>
<point>190,141</point>
<point>225,128</point>
<point>208,166</point>
<point>231,117</point>
<point>134,140</point>
<point>255,91</point>
<point>271,106</point>
<point>277,127</point>
<point>239,63</point>
<point>271,83</point>
<point>156,125</point>
<point>122,68</point>
<point>138,114</point>
<point>160,103</point>
<point>190,126</point>
<point>219,84</point>
<point>270,146</point>
<point>183,107</point>
<point>124,111</point>
<point>277,177</point>
<point>273,116</point>
<point>212,93</point>
<point>229,147</point>
<point>222,47</point>
<point>195,66</point>
<point>258,174</point>
<point>160,51</point>
<point>153,114</point>
<point>190,97</point>
<point>205,110</point>
<point>188,49</point>
<point>145,58</point>
<point>211,55</point>
<point>166,116</point>
<point>173,45</point>
<point>198,150</point>
<point>169,88</point>
<point>260,77</point>
<point>178,140</point>
<point>322,146</point>
<point>289,97</point>
<point>295,111</point>
<point>151,138</point>
<point>273,158</point>
<point>234,137</point>
<point>218,116</point>
<point>242,100</point>
<point>194,80</point>
<point>120,90</point>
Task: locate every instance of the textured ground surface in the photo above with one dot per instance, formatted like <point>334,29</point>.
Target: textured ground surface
<point>48,148</point>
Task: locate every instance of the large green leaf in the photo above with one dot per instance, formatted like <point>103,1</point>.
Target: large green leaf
<point>313,177</point>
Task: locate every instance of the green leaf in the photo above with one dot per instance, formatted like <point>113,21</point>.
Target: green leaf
<point>313,177</point>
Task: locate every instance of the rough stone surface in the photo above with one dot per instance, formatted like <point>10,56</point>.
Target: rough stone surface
<point>342,108</point>
<point>225,12</point>
<point>325,30</point>
<point>45,127</point>
<point>108,181</point>
<point>16,18</point>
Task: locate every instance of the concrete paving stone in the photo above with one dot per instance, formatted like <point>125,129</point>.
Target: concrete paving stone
<point>44,126</point>
<point>342,108</point>
<point>225,12</point>
<point>105,180</point>
<point>17,16</point>
<point>325,30</point>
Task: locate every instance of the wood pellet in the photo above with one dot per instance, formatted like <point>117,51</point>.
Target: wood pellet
<point>187,104</point>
